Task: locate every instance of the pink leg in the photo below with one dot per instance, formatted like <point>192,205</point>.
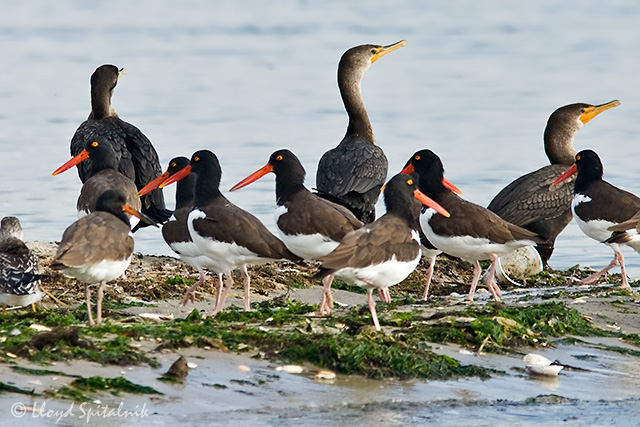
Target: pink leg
<point>625,282</point>
<point>223,297</point>
<point>99,303</point>
<point>326,303</point>
<point>372,309</point>
<point>245,283</point>
<point>474,282</point>
<point>491,279</point>
<point>595,276</point>
<point>191,292</point>
<point>87,300</point>
<point>219,288</point>
<point>384,295</point>
<point>432,263</point>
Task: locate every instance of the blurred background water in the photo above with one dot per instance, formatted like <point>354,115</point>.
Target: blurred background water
<point>476,83</point>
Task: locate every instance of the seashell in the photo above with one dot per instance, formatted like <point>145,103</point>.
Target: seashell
<point>156,317</point>
<point>290,369</point>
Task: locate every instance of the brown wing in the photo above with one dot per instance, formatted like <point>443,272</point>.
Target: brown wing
<point>469,219</point>
<point>373,244</point>
<point>225,222</point>
<point>93,238</point>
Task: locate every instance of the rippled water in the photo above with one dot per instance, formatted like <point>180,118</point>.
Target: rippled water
<point>476,83</point>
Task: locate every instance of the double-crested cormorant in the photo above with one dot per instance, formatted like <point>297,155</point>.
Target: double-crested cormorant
<point>136,157</point>
<point>386,251</point>
<point>310,226</point>
<point>229,236</point>
<point>353,173</point>
<point>598,207</point>
<point>97,248</point>
<point>531,201</point>
<point>471,232</point>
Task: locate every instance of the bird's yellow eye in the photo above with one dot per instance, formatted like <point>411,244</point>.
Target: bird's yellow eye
<point>279,157</point>
<point>173,164</point>
<point>196,158</point>
<point>409,182</point>
<point>417,157</point>
<point>577,157</point>
<point>94,144</point>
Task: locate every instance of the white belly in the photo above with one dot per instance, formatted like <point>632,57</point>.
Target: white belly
<point>104,271</point>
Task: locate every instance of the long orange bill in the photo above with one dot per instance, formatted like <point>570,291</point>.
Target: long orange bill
<point>590,112</point>
<point>84,154</point>
<point>153,184</point>
<point>409,169</point>
<point>382,51</point>
<point>176,176</point>
<point>566,174</point>
<point>253,177</point>
<point>427,201</point>
<point>132,211</point>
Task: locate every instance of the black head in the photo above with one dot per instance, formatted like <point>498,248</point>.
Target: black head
<point>102,155</point>
<point>205,165</point>
<point>399,197</point>
<point>113,202</point>
<point>177,164</point>
<point>285,164</point>
<point>426,165</point>
<point>589,166</point>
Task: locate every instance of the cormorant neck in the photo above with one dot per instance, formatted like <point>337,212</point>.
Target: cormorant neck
<point>185,191</point>
<point>349,83</point>
<point>558,142</point>
<point>101,103</point>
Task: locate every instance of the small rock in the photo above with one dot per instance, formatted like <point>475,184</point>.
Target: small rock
<point>179,369</point>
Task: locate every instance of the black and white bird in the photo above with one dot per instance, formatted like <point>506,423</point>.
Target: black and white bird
<point>531,201</point>
<point>230,237</point>
<point>602,211</point>
<point>353,173</point>
<point>386,251</point>
<point>175,231</point>
<point>310,226</point>
<point>136,157</point>
<point>19,277</point>
<point>471,232</point>
<point>97,248</point>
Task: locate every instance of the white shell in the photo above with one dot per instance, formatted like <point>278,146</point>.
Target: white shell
<point>540,365</point>
<point>518,265</point>
<point>290,369</point>
<point>156,317</point>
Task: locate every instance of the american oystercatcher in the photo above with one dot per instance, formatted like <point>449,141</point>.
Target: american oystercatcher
<point>104,176</point>
<point>136,157</point>
<point>598,208</point>
<point>531,201</point>
<point>97,248</point>
<point>175,231</point>
<point>229,236</point>
<point>386,251</point>
<point>472,232</point>
<point>310,226</point>
<point>352,173</point>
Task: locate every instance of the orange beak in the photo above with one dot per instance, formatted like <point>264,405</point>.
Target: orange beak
<point>253,177</point>
<point>430,203</point>
<point>566,174</point>
<point>84,154</point>
<point>176,176</point>
<point>153,184</point>
<point>131,211</point>
<point>409,169</point>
